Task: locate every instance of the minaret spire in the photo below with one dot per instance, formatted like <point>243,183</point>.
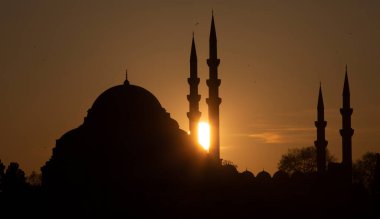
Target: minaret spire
<point>321,142</point>
<point>213,101</point>
<point>346,132</point>
<point>346,91</point>
<point>193,97</point>
<point>320,98</point>
<point>126,82</point>
<point>212,40</point>
<point>193,55</point>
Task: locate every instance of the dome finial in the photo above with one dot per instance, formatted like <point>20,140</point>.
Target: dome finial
<point>126,82</point>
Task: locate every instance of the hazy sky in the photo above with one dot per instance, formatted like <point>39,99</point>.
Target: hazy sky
<point>56,57</point>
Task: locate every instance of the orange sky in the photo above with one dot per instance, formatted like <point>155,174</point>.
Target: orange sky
<point>56,57</point>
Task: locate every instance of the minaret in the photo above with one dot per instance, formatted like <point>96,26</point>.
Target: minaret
<point>193,97</point>
<point>346,132</point>
<point>321,142</point>
<point>213,101</point>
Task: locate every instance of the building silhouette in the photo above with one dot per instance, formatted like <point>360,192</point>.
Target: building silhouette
<point>193,97</point>
<point>321,142</point>
<point>346,132</point>
<point>213,100</point>
<point>126,153</point>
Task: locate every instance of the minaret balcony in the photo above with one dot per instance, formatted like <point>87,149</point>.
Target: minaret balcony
<point>213,82</point>
<point>194,115</point>
<point>213,62</point>
<point>213,101</point>
<point>193,81</point>
<point>194,97</point>
<point>346,111</point>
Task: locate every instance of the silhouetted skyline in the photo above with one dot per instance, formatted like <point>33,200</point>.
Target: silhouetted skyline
<point>130,158</point>
<point>56,57</point>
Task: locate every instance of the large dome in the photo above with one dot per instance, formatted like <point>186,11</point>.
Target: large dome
<point>125,101</point>
<point>124,94</point>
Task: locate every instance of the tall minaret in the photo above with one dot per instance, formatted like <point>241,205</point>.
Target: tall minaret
<point>213,101</point>
<point>321,142</point>
<point>346,132</point>
<point>193,97</point>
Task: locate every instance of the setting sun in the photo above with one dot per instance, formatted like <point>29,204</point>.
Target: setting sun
<point>204,135</point>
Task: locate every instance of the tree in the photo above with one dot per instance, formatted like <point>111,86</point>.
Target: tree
<point>363,170</point>
<point>34,179</point>
<point>14,179</point>
<point>301,160</point>
<point>376,178</point>
<point>2,168</point>
<point>228,163</point>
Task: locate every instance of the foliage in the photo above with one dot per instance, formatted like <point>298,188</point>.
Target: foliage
<point>228,163</point>
<point>363,170</point>
<point>34,179</point>
<point>2,175</point>
<point>301,160</point>
<point>14,178</point>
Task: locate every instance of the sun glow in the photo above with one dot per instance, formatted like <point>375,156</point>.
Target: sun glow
<point>204,135</point>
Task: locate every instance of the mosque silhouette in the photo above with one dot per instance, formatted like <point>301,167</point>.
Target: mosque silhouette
<point>129,158</point>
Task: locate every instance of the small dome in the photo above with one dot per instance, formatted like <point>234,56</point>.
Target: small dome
<point>263,176</point>
<point>247,174</point>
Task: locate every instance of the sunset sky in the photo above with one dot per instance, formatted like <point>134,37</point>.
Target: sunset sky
<point>56,57</point>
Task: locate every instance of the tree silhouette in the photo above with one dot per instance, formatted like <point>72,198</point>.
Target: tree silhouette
<point>301,160</point>
<point>364,169</point>
<point>34,179</point>
<point>2,175</point>
<point>376,178</point>
<point>14,178</point>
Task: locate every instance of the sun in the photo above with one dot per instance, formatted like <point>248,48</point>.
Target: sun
<point>204,135</point>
